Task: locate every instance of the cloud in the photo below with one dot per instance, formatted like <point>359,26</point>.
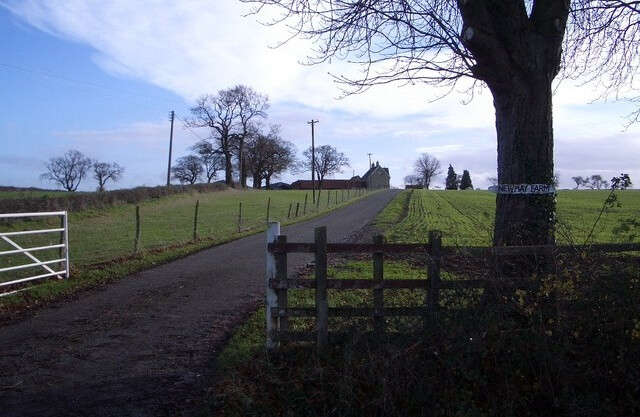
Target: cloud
<point>195,46</point>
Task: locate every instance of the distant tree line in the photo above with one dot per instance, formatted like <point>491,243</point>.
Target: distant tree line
<point>427,167</point>
<point>594,182</point>
<point>69,170</point>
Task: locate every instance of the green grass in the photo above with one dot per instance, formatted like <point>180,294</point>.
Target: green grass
<point>466,217</point>
<point>106,235</point>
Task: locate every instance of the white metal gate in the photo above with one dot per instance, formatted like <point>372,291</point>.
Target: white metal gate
<point>63,247</point>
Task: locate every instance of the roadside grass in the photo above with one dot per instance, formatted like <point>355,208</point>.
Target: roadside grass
<point>568,348</point>
<point>102,241</point>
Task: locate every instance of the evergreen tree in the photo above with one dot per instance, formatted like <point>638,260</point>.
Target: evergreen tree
<point>465,183</point>
<point>451,183</point>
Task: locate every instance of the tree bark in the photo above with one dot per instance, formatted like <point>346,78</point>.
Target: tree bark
<point>257,182</point>
<point>267,180</point>
<point>524,128</point>
<point>228,169</point>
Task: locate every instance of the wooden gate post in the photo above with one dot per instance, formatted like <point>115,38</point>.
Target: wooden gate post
<point>195,221</point>
<point>433,271</point>
<point>271,297</point>
<point>268,209</point>
<point>322,306</point>
<point>281,275</point>
<point>136,243</point>
<point>378,294</point>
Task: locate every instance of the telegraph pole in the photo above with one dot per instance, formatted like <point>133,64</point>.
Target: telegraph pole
<point>313,159</point>
<point>172,115</point>
<point>369,159</point>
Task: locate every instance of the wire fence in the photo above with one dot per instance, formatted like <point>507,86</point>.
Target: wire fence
<point>112,234</point>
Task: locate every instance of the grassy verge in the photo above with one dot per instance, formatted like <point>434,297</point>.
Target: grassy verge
<point>568,348</point>
<point>102,241</point>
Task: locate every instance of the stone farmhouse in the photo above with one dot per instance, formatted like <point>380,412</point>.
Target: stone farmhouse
<point>375,178</point>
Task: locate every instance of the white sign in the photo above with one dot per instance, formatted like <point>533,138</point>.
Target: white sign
<point>523,189</point>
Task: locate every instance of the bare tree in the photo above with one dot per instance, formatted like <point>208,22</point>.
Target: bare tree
<point>251,105</point>
<point>413,180</point>
<point>212,159</point>
<point>596,182</point>
<point>282,157</point>
<point>218,113</point>
<point>187,169</point>
<point>68,170</point>
<point>105,171</point>
<point>515,48</point>
<point>328,162</point>
<point>427,167</point>
<point>580,181</point>
<point>257,153</point>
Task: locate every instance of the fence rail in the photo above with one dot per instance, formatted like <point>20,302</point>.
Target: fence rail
<point>278,283</point>
<point>63,249</point>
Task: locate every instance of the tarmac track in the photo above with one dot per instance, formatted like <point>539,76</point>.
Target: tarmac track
<point>146,345</point>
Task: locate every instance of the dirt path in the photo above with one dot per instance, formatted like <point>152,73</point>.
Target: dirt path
<point>145,345</point>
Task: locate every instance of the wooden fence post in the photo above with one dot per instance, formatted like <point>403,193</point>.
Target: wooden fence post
<point>195,221</point>
<point>378,294</point>
<point>433,271</point>
<point>328,198</point>
<point>136,245</point>
<point>322,306</point>
<point>271,297</point>
<point>239,217</point>
<point>268,208</point>
<point>348,193</point>
<point>289,213</point>
<point>281,275</point>
<point>304,211</point>
<point>297,208</point>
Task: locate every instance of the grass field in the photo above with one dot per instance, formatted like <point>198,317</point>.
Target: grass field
<point>99,236</point>
<point>466,218</point>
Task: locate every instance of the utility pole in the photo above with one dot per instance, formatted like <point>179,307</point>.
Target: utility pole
<point>369,159</point>
<point>172,115</point>
<point>313,160</point>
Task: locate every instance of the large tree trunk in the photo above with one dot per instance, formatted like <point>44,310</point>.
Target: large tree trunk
<point>267,180</point>
<point>257,182</point>
<point>525,156</point>
<point>228,169</point>
<point>241,165</point>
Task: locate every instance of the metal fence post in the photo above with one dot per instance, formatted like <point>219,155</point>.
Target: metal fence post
<point>322,306</point>
<point>271,297</point>
<point>66,244</point>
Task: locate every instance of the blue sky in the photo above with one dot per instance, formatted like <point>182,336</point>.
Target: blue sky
<point>101,77</point>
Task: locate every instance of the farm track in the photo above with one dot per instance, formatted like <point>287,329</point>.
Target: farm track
<point>146,345</point>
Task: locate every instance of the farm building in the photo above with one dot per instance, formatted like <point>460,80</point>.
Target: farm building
<point>375,178</point>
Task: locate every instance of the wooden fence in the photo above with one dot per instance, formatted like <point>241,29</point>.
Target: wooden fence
<point>278,282</point>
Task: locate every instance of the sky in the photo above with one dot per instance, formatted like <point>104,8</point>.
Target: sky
<point>101,77</point>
